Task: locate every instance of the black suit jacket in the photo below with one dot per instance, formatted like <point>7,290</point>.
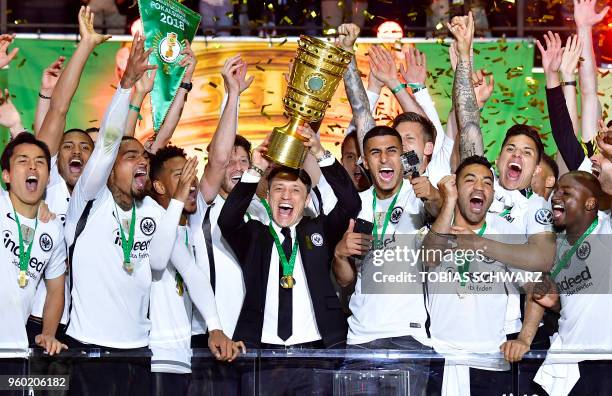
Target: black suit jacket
<point>253,244</point>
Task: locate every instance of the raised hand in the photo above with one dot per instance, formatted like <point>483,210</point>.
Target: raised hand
<point>448,188</point>
<point>416,66</point>
<point>483,87</point>
<point>51,76</point>
<point>5,56</point>
<point>137,64</point>
<point>145,84</point>
<point>347,35</point>
<point>353,243</point>
<point>552,54</point>
<point>187,180</point>
<point>9,116</point>
<point>258,158</point>
<point>189,61</point>
<point>585,14</point>
<point>570,58</point>
<point>234,75</point>
<point>312,142</point>
<point>604,139</point>
<point>382,66</point>
<point>462,27</point>
<point>86,28</point>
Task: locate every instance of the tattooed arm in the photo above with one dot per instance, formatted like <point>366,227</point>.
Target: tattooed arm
<point>356,93</point>
<point>464,97</point>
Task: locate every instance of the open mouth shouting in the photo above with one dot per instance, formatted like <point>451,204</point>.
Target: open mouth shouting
<point>514,170</point>
<point>31,183</point>
<point>235,177</point>
<point>357,174</point>
<point>193,193</point>
<point>595,170</point>
<point>140,178</point>
<point>75,165</point>
<point>477,202</point>
<point>285,211</point>
<point>558,208</point>
<point>386,174</point>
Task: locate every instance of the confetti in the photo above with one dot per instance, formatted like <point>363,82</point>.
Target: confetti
<point>212,84</point>
<point>23,61</point>
<point>92,121</point>
<point>260,68</point>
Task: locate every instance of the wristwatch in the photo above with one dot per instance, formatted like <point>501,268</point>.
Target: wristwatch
<point>187,86</point>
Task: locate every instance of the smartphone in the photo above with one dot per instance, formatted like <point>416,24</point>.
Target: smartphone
<point>410,163</point>
<point>363,227</point>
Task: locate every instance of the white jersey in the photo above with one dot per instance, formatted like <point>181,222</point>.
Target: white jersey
<point>57,198</point>
<point>378,314</point>
<point>471,317</point>
<point>530,215</point>
<point>170,313</point>
<point>110,305</point>
<point>47,261</point>
<point>584,287</point>
<point>230,289</point>
<point>439,166</point>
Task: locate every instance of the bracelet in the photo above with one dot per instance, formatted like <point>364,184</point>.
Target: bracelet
<point>137,110</point>
<point>43,96</point>
<point>564,83</point>
<point>257,169</point>
<point>327,154</point>
<point>398,88</point>
<point>416,86</point>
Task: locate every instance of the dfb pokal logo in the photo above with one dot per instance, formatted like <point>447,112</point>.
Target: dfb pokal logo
<point>147,226</point>
<point>169,48</point>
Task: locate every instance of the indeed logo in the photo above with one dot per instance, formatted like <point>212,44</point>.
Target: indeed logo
<point>138,246</point>
<point>13,246</point>
<point>577,281</point>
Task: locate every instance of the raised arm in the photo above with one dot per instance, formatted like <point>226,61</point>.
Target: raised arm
<point>569,61</point>
<point>586,17</point>
<point>441,228</point>
<point>99,166</point>
<point>356,93</point>
<point>222,143</point>
<point>48,82</point>
<point>464,97</point>
<point>176,109</point>
<point>382,65</point>
<point>54,123</point>
<point>9,116</point>
<point>141,90</point>
<point>5,56</point>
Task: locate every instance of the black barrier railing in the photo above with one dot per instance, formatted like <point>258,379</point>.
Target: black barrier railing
<point>310,371</point>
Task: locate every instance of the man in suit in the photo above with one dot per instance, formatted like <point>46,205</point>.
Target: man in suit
<point>290,301</point>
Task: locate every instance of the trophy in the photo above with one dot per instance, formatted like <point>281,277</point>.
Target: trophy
<point>317,70</point>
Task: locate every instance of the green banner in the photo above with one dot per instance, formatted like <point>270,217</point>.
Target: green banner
<point>166,25</point>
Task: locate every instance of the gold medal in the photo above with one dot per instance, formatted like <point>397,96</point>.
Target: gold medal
<point>128,267</point>
<point>23,279</point>
<point>287,282</point>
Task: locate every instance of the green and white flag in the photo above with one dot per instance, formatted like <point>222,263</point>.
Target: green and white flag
<point>166,24</point>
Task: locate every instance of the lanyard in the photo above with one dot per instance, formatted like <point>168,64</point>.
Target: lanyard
<point>180,284</point>
<point>377,243</point>
<point>564,262</point>
<point>24,255</point>
<point>466,266</point>
<point>127,244</point>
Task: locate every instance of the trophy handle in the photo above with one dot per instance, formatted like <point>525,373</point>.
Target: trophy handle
<point>287,146</point>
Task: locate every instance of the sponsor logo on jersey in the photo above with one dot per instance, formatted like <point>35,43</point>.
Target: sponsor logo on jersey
<point>544,216</point>
<point>11,243</point>
<point>574,284</point>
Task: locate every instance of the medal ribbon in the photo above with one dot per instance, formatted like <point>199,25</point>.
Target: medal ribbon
<point>127,244</point>
<point>24,255</point>
<point>387,216</point>
<point>287,264</point>
<point>563,263</point>
<point>466,266</point>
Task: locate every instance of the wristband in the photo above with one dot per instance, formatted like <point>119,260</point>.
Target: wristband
<point>564,83</point>
<point>137,110</point>
<point>398,88</point>
<point>417,86</point>
<point>43,96</point>
<point>257,169</point>
<point>327,154</point>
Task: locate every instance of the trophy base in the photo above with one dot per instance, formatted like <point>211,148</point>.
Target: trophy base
<point>286,149</point>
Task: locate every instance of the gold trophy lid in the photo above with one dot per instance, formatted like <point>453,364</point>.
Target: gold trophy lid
<point>318,46</point>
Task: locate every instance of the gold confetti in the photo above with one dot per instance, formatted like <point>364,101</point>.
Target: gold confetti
<point>212,84</point>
